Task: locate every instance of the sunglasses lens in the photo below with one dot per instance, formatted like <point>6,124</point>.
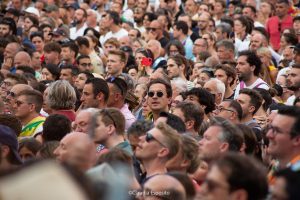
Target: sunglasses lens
<point>151,94</point>
<point>148,137</point>
<point>160,94</point>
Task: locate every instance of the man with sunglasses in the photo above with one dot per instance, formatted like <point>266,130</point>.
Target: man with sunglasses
<point>118,90</point>
<point>284,140</point>
<point>159,95</point>
<point>27,108</point>
<point>12,95</point>
<point>159,145</point>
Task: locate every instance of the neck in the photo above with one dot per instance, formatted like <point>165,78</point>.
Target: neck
<point>28,118</point>
<point>114,141</point>
<point>156,113</point>
<point>247,118</point>
<point>182,38</point>
<point>102,105</point>
<point>153,167</point>
<point>251,80</point>
<point>114,28</point>
<point>78,26</point>
<point>228,92</point>
<point>118,104</point>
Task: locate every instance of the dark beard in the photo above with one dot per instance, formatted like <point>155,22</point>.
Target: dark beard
<point>294,88</point>
<point>138,20</point>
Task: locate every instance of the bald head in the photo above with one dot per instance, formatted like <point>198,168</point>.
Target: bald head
<point>11,49</point>
<point>76,149</point>
<point>155,47</point>
<point>22,58</point>
<point>125,41</point>
<point>165,185</point>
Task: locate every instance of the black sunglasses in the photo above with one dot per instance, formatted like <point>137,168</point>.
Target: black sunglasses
<point>158,94</point>
<point>12,94</point>
<point>151,29</point>
<point>150,137</point>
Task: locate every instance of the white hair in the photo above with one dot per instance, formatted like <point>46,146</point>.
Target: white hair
<point>220,86</point>
<point>180,85</point>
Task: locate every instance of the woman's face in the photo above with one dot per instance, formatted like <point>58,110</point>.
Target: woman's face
<point>136,45</point>
<point>109,47</point>
<point>26,154</point>
<point>46,75</point>
<point>239,27</point>
<point>38,43</point>
<point>146,21</point>
<point>264,58</point>
<point>46,32</point>
<point>27,24</point>
<point>139,91</point>
<point>197,68</point>
<point>283,42</point>
<point>138,58</point>
<point>173,50</point>
<point>133,74</point>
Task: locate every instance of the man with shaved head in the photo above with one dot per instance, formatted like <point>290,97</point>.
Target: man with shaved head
<point>22,58</point>
<point>77,150</point>
<point>156,48</point>
<point>10,51</point>
<point>164,187</point>
<point>156,33</point>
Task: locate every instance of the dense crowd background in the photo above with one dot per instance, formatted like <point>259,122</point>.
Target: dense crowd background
<point>150,99</point>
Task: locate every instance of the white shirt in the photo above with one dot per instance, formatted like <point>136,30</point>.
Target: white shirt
<point>74,33</point>
<point>261,84</point>
<point>121,33</point>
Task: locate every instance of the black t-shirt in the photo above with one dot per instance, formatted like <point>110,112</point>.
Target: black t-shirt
<point>163,42</point>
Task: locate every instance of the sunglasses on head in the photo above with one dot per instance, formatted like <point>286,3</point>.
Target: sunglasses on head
<point>158,94</point>
<point>150,137</point>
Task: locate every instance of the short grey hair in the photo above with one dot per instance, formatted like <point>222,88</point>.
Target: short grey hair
<point>220,86</point>
<point>180,85</point>
<point>225,28</point>
<point>61,95</point>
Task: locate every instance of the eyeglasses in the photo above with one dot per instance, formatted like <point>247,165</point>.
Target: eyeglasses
<point>12,94</point>
<point>106,112</point>
<point>150,137</point>
<point>6,84</point>
<point>220,109</point>
<point>151,29</point>
<point>275,130</point>
<point>158,94</point>
<point>86,64</point>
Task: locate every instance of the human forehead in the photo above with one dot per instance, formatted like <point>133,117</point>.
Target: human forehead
<point>213,131</point>
<point>242,59</point>
<point>244,97</point>
<point>224,104</point>
<point>113,57</point>
<point>220,72</point>
<point>283,121</point>
<point>157,87</point>
<point>83,116</point>
<point>210,85</point>
<point>84,60</point>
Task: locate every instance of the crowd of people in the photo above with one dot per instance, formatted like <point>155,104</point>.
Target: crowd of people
<point>168,99</point>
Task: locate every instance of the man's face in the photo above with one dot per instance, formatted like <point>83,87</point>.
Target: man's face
<point>38,43</point>
<point>215,186</point>
<point>280,142</point>
<point>22,107</point>
<point>190,7</point>
<point>176,32</point>
<point>256,42</point>
<point>248,12</point>
<point>158,103</point>
<point>88,98</point>
<point>221,75</point>
<point>224,110</point>
<point>211,87</point>
<point>66,54</point>
<point>203,22</point>
<point>223,53</point>
<point>19,60</point>
<point>210,144</point>
<point>66,74</point>
<point>219,34</point>
<point>138,15</point>
<point>132,34</point>
<point>114,64</point>
<point>82,122</point>
<point>244,101</point>
<point>85,64</point>
<point>155,29</point>
<point>4,30</point>
<point>79,16</point>
<point>51,57</point>
<point>101,131</point>
<point>12,95</point>
<point>293,79</point>
<point>199,46</point>
<point>173,69</point>
<point>7,85</point>
<point>243,69</point>
<point>142,4</point>
<point>149,149</point>
<point>281,9</point>
<point>10,50</point>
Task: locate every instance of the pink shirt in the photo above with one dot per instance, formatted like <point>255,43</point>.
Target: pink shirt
<point>275,28</point>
